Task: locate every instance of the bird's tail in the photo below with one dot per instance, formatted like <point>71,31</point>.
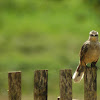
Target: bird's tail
<point>79,73</point>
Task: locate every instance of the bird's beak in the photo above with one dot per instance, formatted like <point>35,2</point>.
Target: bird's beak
<point>93,35</point>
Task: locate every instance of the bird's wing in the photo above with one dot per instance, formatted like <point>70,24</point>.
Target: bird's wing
<point>83,51</point>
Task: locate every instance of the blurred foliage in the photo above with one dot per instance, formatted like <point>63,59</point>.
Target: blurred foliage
<point>45,34</point>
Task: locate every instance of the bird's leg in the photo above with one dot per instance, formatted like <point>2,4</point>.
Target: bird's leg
<point>93,64</point>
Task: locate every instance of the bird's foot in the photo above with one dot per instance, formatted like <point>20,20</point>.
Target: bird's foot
<point>97,68</point>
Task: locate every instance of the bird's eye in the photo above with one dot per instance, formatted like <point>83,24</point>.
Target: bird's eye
<point>96,35</point>
<point>91,35</point>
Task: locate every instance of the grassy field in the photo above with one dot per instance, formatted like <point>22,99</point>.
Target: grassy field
<point>44,35</point>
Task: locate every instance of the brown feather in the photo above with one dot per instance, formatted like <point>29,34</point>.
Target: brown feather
<point>83,51</point>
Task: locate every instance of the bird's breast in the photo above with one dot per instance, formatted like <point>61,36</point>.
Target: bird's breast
<point>92,54</point>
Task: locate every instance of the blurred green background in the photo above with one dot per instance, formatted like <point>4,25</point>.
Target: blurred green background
<point>44,34</point>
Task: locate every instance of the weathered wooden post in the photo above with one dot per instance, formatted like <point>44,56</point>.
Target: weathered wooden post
<point>66,84</point>
<point>90,83</point>
<point>14,83</point>
<point>40,84</point>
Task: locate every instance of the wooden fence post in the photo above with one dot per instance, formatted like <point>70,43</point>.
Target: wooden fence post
<point>14,83</point>
<point>40,84</point>
<point>90,83</point>
<point>66,84</point>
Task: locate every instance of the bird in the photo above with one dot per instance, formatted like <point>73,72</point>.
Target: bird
<point>89,53</point>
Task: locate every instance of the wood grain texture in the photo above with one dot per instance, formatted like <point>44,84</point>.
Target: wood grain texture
<point>66,84</point>
<point>40,84</point>
<point>14,83</point>
<point>90,83</point>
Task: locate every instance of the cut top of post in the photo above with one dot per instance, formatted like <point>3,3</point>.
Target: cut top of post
<point>11,72</point>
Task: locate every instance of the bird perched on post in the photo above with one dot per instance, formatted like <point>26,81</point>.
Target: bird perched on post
<point>89,53</point>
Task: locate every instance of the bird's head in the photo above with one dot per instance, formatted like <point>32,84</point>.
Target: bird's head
<point>93,36</point>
